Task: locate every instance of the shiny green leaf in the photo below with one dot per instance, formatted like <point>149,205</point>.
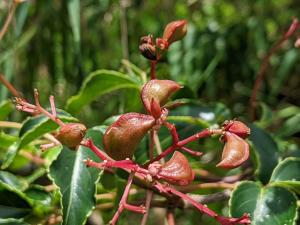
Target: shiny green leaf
<point>76,182</point>
<point>97,84</point>
<point>287,174</point>
<point>266,205</point>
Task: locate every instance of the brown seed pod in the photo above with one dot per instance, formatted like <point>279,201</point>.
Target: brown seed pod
<point>159,90</point>
<point>235,151</point>
<point>176,171</point>
<point>123,136</point>
<point>237,127</point>
<point>71,134</point>
<point>147,48</point>
<point>175,31</point>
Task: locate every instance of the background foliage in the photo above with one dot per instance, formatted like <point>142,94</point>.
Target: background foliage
<point>63,47</point>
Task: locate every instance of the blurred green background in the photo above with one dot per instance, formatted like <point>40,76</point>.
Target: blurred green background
<point>53,45</point>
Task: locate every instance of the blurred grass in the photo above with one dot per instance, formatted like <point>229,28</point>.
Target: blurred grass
<point>53,45</point>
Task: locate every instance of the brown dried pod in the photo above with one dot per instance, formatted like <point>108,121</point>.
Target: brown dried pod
<point>237,127</point>
<point>123,136</point>
<point>159,90</point>
<point>175,31</point>
<point>71,134</point>
<point>176,171</point>
<point>147,48</point>
<point>235,151</point>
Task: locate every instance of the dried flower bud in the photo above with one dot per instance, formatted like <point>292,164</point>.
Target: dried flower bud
<point>147,48</point>
<point>235,151</point>
<point>123,136</point>
<point>176,171</point>
<point>71,134</point>
<point>175,31</point>
<point>237,127</point>
<point>159,90</point>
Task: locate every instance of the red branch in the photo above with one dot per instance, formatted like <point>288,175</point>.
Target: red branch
<point>263,67</point>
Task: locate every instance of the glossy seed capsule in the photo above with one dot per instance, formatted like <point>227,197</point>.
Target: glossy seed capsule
<point>176,171</point>
<point>235,151</point>
<point>123,136</point>
<point>237,127</point>
<point>175,31</point>
<point>160,90</point>
<point>71,134</point>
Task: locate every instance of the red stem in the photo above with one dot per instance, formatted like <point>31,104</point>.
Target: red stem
<point>152,69</point>
<point>180,144</point>
<point>262,70</point>
<point>170,217</point>
<point>9,86</point>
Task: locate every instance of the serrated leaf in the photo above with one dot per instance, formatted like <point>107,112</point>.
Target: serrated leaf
<point>33,128</point>
<point>11,181</point>
<point>267,152</point>
<point>287,174</point>
<point>266,205</point>
<point>6,107</point>
<point>97,84</point>
<point>76,182</point>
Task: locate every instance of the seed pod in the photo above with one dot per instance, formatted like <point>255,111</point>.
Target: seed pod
<point>147,48</point>
<point>176,171</point>
<point>237,127</point>
<point>71,134</point>
<point>235,151</point>
<point>123,136</point>
<point>159,90</point>
<point>175,31</point>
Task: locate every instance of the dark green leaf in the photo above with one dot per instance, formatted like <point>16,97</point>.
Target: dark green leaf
<point>97,84</point>
<point>76,181</point>
<point>267,152</point>
<point>287,174</point>
<point>290,126</point>
<point>266,205</point>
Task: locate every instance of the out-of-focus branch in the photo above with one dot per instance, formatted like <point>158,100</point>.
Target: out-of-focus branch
<point>9,86</point>
<point>266,60</point>
<point>8,20</point>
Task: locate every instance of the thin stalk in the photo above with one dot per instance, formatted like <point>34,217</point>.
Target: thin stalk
<point>152,69</point>
<point>8,124</point>
<point>266,61</point>
<point>8,19</point>
<point>9,86</point>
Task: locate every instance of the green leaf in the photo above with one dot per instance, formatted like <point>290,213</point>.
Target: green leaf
<point>287,174</point>
<point>266,151</point>
<point>6,107</point>
<point>33,128</point>
<point>97,84</point>
<point>266,205</point>
<point>13,202</point>
<point>290,126</point>
<point>11,221</point>
<point>76,182</point>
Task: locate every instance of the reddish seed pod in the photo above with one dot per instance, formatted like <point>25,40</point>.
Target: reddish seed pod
<point>71,134</point>
<point>237,127</point>
<point>159,90</point>
<point>175,31</point>
<point>123,136</point>
<point>176,171</point>
<point>235,151</point>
